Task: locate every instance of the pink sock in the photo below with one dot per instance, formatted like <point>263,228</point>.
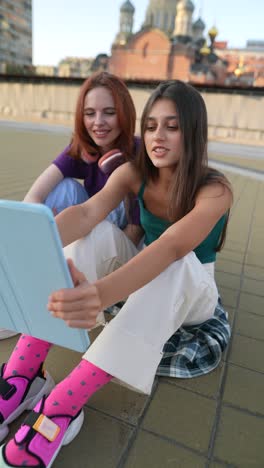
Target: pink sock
<point>27,357</point>
<point>68,397</point>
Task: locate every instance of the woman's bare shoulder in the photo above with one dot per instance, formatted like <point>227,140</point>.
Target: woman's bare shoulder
<point>216,195</point>
<point>130,176</point>
<point>215,189</point>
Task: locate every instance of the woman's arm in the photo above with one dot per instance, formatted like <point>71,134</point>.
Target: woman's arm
<point>44,184</point>
<point>181,238</point>
<point>77,221</point>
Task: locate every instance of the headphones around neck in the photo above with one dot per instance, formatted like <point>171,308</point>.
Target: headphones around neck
<point>106,163</point>
<point>110,161</point>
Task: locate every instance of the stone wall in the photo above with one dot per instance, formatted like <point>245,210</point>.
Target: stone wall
<point>234,116</point>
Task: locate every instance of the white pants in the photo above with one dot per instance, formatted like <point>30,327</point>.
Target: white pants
<point>130,346</point>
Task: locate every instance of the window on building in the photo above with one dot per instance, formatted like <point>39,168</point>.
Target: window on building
<point>145,50</point>
<point>172,23</point>
<point>157,19</point>
<point>165,22</point>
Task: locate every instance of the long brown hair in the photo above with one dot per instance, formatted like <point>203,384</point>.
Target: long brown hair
<point>126,115</point>
<point>192,169</point>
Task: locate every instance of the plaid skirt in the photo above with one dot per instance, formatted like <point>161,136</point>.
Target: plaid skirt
<point>194,350</point>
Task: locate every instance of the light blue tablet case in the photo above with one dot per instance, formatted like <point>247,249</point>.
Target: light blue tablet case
<point>32,265</point>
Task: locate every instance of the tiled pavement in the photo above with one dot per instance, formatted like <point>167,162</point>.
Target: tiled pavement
<point>212,421</point>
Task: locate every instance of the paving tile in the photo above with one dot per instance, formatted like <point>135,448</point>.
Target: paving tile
<point>240,217</point>
<point>100,443</point>
<point>237,238</point>
<point>256,240</point>
<point>256,250</point>
<point>206,385</point>
<point>239,440</point>
<point>237,231</point>
<point>17,196</point>
<point>244,388</point>
<point>6,348</point>
<point>256,234</point>
<point>177,414</point>
<point>258,231</point>
<point>231,315</point>
<point>150,451</point>
<point>254,272</point>
<point>215,464</point>
<point>251,303</point>
<point>227,280</point>
<point>231,255</point>
<point>228,267</point>
<point>235,245</point>
<point>250,325</point>
<point>61,361</point>
<point>120,402</point>
<point>255,258</point>
<point>248,353</point>
<point>30,143</point>
<point>228,296</point>
<point>253,286</point>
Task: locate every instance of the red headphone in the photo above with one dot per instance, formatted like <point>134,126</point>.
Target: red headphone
<point>108,162</point>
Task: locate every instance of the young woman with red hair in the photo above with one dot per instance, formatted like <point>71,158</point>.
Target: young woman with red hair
<point>103,139</point>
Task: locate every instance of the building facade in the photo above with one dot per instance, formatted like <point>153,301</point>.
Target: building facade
<point>15,33</point>
<point>171,44</point>
<point>245,65</point>
<point>75,67</point>
<point>166,47</point>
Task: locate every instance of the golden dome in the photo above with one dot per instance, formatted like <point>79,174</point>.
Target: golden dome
<point>205,49</point>
<point>213,32</point>
<point>238,72</point>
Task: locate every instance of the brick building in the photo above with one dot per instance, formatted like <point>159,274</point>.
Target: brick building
<point>245,64</point>
<point>170,44</point>
<point>167,46</point>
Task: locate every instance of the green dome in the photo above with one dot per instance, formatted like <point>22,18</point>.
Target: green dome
<point>199,24</point>
<point>127,7</point>
<point>185,5</point>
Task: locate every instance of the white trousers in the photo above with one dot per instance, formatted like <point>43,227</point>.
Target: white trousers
<point>130,346</point>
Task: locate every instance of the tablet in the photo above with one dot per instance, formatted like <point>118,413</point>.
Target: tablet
<point>32,266</point>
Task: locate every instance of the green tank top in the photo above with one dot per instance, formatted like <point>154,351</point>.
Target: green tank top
<point>155,226</point>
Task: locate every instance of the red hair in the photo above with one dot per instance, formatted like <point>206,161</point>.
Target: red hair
<point>126,115</point>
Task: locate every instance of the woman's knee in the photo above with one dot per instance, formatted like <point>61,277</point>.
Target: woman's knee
<point>67,193</point>
<point>94,250</point>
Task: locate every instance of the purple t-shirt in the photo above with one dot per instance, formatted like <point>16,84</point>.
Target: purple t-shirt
<point>94,178</point>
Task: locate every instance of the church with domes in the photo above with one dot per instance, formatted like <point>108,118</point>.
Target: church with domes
<point>166,47</point>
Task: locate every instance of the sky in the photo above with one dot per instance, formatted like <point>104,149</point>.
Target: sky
<point>85,28</point>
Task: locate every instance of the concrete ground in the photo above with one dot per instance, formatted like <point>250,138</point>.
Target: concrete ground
<point>213,421</point>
